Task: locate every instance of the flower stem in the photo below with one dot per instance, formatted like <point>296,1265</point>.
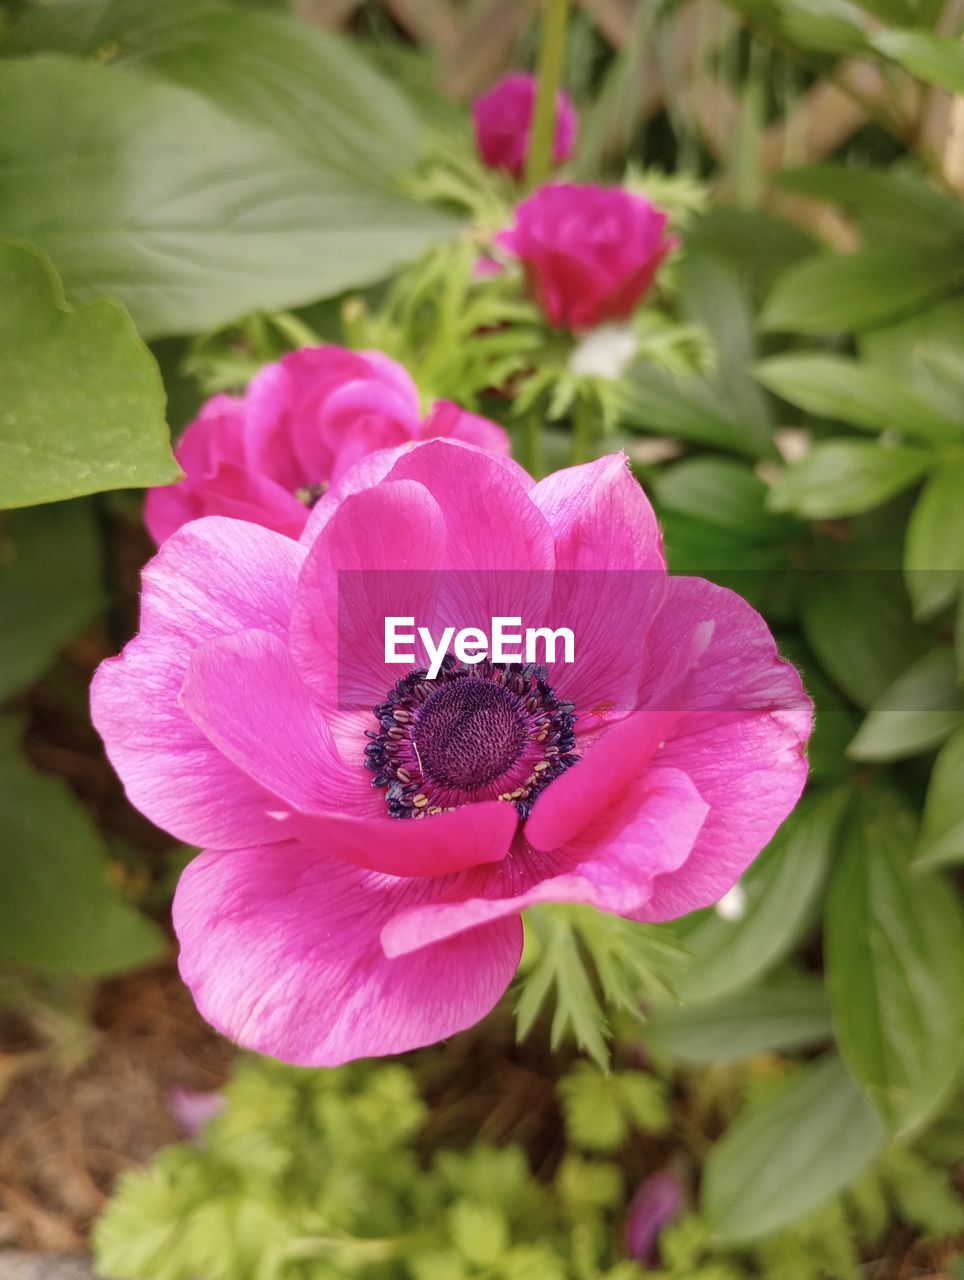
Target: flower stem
<point>552,52</point>
<point>583,431</point>
<point>532,436</point>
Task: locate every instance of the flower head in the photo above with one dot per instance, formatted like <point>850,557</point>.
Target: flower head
<point>503,123</point>
<point>304,421</point>
<point>589,253</point>
<point>372,836</point>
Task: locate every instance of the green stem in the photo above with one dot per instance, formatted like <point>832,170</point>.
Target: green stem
<point>552,52</point>
<point>583,431</point>
<point>532,435</point>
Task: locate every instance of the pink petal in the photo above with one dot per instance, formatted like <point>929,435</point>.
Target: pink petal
<point>375,558</point>
<point>599,780</point>
<point>448,419</point>
<point>433,846</point>
<point>610,578</point>
<point>600,517</point>
<point>210,578</point>
<point>741,736</point>
<point>649,832</point>
<point>497,541</point>
<point>243,693</point>
<point>281,950</point>
<point>361,418</point>
<point>371,470</point>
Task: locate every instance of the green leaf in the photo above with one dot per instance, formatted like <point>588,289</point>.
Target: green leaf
<point>782,1159</point>
<point>83,402</point>
<point>310,87</point>
<point>58,909</point>
<point>713,296</point>
<point>758,243</point>
<point>859,625</point>
<point>779,1016</point>
<point>937,59</point>
<point>50,586</point>
<point>189,237</point>
<point>840,388</point>
<point>890,206</point>
<point>934,551</point>
<point>652,400</point>
<point>895,968</point>
<point>780,889</point>
<point>721,492</point>
<point>724,408</point>
<point>834,292</point>
<point>941,840</point>
<point>847,477</point>
<point>924,351</point>
<point>918,711</point>
<point>602,1110</point>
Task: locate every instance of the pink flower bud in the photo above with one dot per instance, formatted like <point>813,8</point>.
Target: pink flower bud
<point>655,1204</point>
<point>589,253</point>
<point>503,123</point>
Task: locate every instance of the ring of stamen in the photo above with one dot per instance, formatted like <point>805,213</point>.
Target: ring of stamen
<point>491,731</point>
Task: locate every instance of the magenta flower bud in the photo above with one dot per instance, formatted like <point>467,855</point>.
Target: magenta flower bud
<point>655,1204</point>
<point>306,419</point>
<point>503,124</point>
<point>589,253</point>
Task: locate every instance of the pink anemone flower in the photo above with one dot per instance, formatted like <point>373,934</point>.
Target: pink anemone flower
<point>305,420</point>
<point>372,836</point>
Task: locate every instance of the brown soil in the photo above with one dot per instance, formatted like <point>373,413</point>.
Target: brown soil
<point>66,1133</point>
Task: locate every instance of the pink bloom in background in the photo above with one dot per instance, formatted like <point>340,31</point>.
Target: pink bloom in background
<point>370,836</point>
<point>194,1109</point>
<point>656,1203</point>
<point>589,253</point>
<point>304,421</point>
<point>503,123</point>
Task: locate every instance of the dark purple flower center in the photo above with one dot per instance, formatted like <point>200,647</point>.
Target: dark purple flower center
<point>493,731</point>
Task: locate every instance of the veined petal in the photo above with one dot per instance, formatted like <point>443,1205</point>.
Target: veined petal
<point>281,950</point>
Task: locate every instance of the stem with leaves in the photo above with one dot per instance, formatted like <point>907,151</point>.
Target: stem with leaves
<point>552,52</point>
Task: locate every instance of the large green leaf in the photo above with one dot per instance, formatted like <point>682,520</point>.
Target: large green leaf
<point>934,551</point>
<point>890,206</point>
<point>653,400</point>
<point>858,623</point>
<point>937,59</point>
<point>58,909</point>
<point>895,966</point>
<point>50,586</point>
<point>312,88</point>
<point>924,352</point>
<point>722,492</point>
<point>783,1158</point>
<point>941,840</point>
<point>859,394</point>
<point>847,477</point>
<point>789,1012</point>
<point>919,710</point>
<point>144,190</point>
<point>780,891</point>
<point>83,402</point>
<point>712,295</point>
<point>834,292</point>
